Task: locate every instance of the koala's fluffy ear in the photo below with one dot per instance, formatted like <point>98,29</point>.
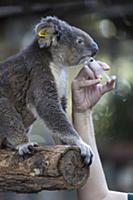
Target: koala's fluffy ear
<point>47,33</point>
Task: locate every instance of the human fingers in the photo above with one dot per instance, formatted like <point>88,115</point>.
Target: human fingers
<point>109,85</point>
<point>86,83</point>
<point>78,84</point>
<point>104,65</point>
<point>85,73</point>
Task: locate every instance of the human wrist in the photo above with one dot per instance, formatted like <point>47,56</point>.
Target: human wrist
<point>83,112</point>
<point>83,123</point>
<point>81,115</point>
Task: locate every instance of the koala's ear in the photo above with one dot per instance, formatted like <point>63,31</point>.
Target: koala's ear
<point>47,34</point>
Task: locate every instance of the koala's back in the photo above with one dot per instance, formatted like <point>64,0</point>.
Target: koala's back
<point>12,77</point>
<point>14,83</point>
<point>19,74</point>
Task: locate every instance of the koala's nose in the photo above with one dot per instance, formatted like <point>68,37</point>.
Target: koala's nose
<point>94,48</point>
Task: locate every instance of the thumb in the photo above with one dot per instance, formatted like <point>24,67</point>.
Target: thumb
<point>109,85</point>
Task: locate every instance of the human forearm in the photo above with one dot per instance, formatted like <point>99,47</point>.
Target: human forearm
<point>96,186</point>
<point>83,123</point>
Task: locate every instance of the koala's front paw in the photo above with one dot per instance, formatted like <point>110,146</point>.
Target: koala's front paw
<point>27,148</point>
<point>86,153</point>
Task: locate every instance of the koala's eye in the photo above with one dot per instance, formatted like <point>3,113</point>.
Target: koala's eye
<point>80,41</point>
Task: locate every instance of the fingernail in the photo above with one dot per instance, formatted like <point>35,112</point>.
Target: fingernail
<point>113,77</point>
<point>99,79</point>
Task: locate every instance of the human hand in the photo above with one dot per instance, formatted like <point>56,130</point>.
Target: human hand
<point>87,89</point>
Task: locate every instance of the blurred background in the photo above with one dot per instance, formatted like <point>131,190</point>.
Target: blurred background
<point>110,23</point>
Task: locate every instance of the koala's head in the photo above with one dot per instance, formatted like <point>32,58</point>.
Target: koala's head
<point>68,44</point>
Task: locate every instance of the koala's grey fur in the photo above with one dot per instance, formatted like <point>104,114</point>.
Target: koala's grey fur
<point>32,85</point>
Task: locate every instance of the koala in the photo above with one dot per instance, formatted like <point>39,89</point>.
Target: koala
<point>33,84</point>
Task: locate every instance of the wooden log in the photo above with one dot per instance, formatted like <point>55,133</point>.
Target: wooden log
<point>49,168</point>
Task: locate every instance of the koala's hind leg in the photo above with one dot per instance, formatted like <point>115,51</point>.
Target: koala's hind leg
<point>12,131</point>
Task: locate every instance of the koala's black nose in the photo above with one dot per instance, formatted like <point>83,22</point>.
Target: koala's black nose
<point>94,48</point>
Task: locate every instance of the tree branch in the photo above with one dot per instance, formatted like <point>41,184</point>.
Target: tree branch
<point>49,168</point>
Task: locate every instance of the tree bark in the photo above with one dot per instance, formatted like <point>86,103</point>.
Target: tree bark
<point>48,168</point>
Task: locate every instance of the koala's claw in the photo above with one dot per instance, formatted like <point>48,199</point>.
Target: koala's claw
<point>86,154</point>
<point>27,148</point>
<point>88,161</point>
